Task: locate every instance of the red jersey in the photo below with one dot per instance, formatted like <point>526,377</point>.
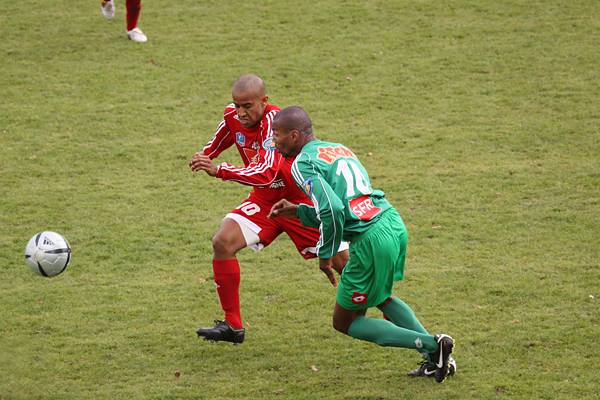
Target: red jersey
<point>264,167</point>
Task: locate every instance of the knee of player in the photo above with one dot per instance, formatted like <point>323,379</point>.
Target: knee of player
<point>339,326</point>
<point>222,245</point>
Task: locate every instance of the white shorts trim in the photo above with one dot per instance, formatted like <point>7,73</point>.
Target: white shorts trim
<point>249,229</point>
<point>313,250</point>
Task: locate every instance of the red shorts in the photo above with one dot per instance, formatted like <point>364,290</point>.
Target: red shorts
<point>260,231</point>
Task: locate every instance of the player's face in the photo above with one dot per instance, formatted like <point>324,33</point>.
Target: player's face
<point>249,107</point>
<point>286,142</point>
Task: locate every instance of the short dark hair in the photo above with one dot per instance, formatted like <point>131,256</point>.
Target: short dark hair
<point>250,83</point>
<point>294,117</point>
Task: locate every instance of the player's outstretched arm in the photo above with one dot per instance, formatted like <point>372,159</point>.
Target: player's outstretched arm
<point>325,266</point>
<point>261,173</point>
<point>329,209</point>
<point>222,139</point>
<point>283,208</point>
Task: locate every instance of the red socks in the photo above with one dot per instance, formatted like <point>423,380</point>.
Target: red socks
<point>133,13</point>
<point>227,278</point>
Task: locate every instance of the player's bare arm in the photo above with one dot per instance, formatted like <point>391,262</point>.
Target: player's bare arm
<point>283,208</point>
<point>201,162</point>
<point>325,266</point>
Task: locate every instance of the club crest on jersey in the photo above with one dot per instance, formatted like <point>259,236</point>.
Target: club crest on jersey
<point>251,155</point>
<point>307,185</point>
<point>330,153</point>
<point>268,144</point>
<point>240,138</point>
<point>359,298</point>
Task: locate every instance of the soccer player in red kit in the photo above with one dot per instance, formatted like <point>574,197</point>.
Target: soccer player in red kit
<point>247,124</point>
<point>132,15</point>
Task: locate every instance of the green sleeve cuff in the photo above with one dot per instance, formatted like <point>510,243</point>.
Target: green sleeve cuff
<point>308,216</point>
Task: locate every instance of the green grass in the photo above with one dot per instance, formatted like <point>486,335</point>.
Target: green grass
<point>478,118</point>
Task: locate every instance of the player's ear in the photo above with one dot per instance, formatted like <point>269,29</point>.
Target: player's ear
<point>295,133</point>
<point>265,100</point>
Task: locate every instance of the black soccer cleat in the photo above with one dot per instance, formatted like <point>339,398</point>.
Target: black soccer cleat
<point>441,357</point>
<point>427,369</point>
<point>222,332</point>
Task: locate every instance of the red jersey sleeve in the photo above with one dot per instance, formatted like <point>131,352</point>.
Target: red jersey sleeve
<point>263,172</point>
<point>222,139</point>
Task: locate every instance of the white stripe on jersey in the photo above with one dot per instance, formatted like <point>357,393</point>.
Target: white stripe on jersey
<point>209,144</point>
<point>335,228</point>
<point>296,174</point>
<point>219,128</point>
<point>269,156</point>
<point>300,180</point>
<point>254,170</point>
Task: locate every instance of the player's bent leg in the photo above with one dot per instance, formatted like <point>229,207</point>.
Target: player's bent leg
<point>242,227</point>
<point>228,240</point>
<point>342,318</point>
<point>227,279</point>
<point>381,332</point>
<point>401,314</point>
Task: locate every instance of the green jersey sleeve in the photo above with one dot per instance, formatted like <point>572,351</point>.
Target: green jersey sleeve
<point>328,208</point>
<point>308,216</point>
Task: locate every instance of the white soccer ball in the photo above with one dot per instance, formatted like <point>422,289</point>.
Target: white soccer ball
<point>48,254</point>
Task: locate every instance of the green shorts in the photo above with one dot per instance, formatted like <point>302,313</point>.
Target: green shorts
<point>376,262</point>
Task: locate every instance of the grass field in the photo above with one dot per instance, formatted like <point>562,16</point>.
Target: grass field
<point>480,120</point>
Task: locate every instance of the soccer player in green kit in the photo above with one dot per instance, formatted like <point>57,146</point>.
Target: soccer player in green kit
<point>347,208</point>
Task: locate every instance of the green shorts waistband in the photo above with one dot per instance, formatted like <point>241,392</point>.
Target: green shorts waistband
<point>376,226</point>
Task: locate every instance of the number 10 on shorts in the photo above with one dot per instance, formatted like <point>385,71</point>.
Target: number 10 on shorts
<point>249,208</point>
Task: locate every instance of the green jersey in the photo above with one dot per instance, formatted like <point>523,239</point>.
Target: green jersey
<point>345,204</point>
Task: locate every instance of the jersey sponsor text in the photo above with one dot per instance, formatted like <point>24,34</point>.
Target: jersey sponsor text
<point>330,154</point>
<point>364,208</point>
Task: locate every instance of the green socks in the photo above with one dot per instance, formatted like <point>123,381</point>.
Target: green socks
<point>403,316</point>
<point>385,333</point>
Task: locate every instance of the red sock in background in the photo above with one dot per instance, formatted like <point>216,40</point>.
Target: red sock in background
<point>133,13</point>
<point>227,278</point>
